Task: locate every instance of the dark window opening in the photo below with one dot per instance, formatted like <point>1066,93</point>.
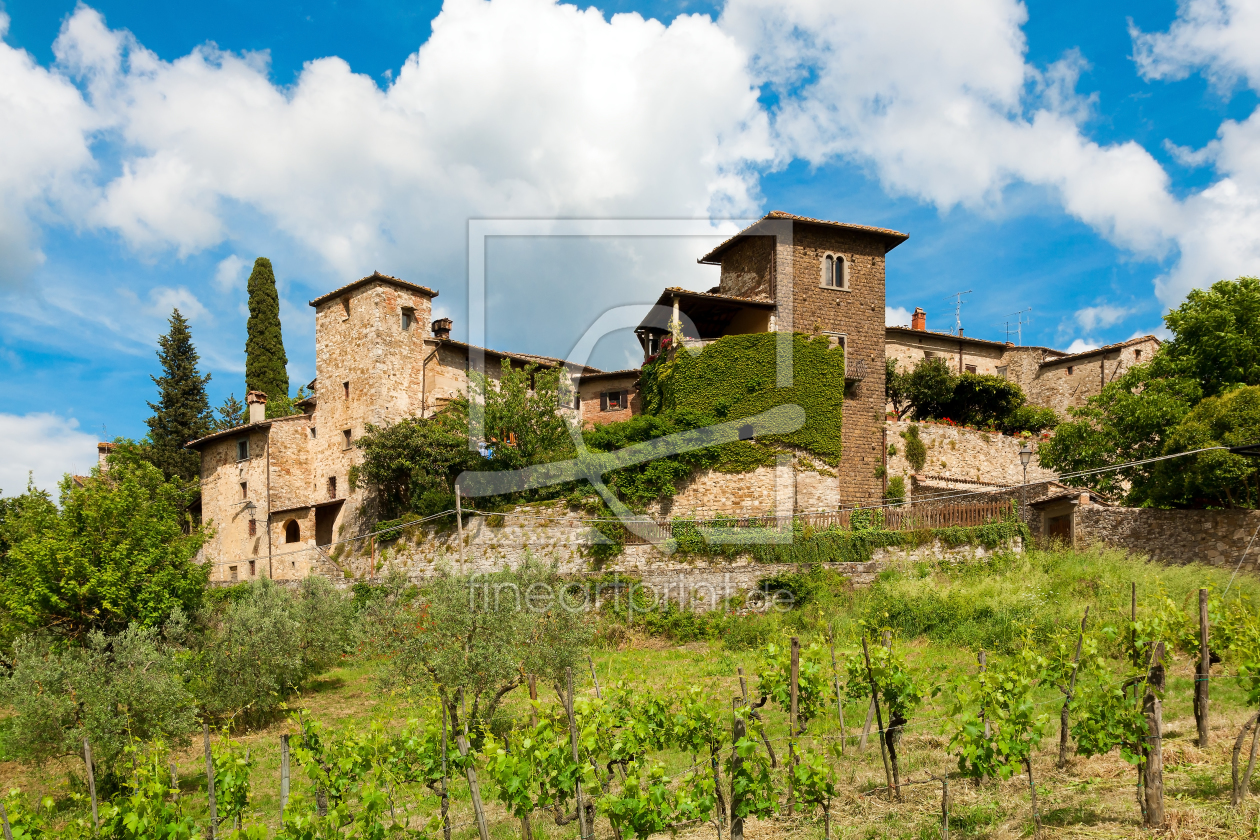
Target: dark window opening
<point>346,434</point>
<point>242,449</point>
<point>345,387</point>
<point>232,572</point>
<point>332,487</point>
<point>345,307</point>
<point>1069,373</point>
<point>612,400</point>
<point>746,431</point>
<point>1137,355</point>
<point>408,317</point>
<point>253,568</point>
<point>970,368</point>
<point>292,531</point>
<point>244,490</point>
<point>253,527</point>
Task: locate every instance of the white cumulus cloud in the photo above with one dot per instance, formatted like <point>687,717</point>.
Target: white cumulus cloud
<point>1080,345</point>
<point>896,316</point>
<point>1102,315</point>
<point>43,446</point>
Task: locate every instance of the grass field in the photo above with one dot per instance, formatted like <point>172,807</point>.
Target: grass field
<point>942,617</point>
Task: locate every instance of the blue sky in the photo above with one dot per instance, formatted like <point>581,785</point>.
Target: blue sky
<point>1091,160</point>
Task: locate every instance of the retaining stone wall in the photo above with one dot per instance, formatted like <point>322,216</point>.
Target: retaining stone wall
<point>561,537</point>
<point>962,454</point>
<point>1214,537</point>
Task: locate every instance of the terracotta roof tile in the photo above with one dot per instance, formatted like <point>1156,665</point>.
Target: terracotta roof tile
<point>780,215</point>
<point>373,277</point>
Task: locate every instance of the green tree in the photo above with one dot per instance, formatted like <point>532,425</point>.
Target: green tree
<point>182,412</point>
<point>1217,478</point>
<point>1131,420</point>
<point>264,346</point>
<point>229,415</point>
<point>110,690</point>
<point>115,553</point>
<point>478,635</point>
<point>1216,336</point>
<point>412,464</point>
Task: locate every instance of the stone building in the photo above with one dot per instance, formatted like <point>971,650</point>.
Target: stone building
<point>608,396</point>
<point>795,274</point>
<point>1048,377</point>
<point>276,488</point>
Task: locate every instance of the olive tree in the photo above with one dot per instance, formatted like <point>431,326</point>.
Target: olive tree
<point>471,639</point>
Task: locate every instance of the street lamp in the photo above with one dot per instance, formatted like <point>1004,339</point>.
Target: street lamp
<point>1025,455</point>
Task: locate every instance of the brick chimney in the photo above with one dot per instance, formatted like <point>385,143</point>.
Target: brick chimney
<point>102,455</point>
<point>918,321</point>
<point>442,329</point>
<point>257,402</point>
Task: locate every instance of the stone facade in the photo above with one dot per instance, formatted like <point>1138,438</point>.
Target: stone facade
<point>1049,378</point>
<point>377,361</point>
<point>960,460</point>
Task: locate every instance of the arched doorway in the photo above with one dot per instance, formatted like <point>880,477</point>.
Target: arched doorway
<point>292,531</point>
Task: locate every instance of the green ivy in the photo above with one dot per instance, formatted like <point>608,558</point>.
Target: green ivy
<point>736,377</point>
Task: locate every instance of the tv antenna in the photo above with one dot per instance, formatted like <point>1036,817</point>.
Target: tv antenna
<point>958,302</point>
<point>1020,320</point>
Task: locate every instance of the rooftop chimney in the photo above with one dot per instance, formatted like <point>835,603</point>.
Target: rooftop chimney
<point>918,321</point>
<point>102,455</point>
<point>442,329</point>
<point>257,402</point>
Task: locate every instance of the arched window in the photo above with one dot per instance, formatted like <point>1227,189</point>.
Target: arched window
<point>834,275</point>
<point>292,532</point>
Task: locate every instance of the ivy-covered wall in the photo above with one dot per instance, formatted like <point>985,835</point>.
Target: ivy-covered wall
<point>736,377</point>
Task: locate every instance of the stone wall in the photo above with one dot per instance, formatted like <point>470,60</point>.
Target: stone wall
<point>554,534</point>
<point>1214,537</point>
<point>1072,380</point>
<point>747,268</point>
<point>969,457</point>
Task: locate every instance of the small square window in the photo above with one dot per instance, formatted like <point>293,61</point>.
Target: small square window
<point>408,318</point>
<point>970,368</point>
<point>1002,372</point>
<point>345,433</point>
<point>1069,371</point>
<point>253,527</point>
<point>345,388</point>
<point>1137,355</point>
<point>242,449</point>
<point>613,400</point>
<point>244,490</point>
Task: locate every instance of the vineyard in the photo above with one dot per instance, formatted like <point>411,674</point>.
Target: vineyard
<point>1140,711</point>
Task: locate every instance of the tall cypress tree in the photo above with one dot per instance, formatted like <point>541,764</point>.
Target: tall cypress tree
<point>264,346</point>
<point>182,412</point>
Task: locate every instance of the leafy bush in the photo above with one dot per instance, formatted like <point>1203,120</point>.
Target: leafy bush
<point>113,555</point>
<point>916,449</point>
<point>110,690</point>
<point>260,647</point>
<point>896,492</point>
<point>1029,418</point>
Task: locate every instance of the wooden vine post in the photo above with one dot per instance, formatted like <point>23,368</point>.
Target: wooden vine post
<point>835,684</point>
<point>4,819</point>
<point>622,773</point>
<point>870,708</point>
<point>945,807</point>
<point>214,813</point>
<point>1201,673</point>
<point>1241,786</point>
<point>474,789</point>
<point>879,718</point>
<point>446,783</point>
<point>459,527</point>
<point>1153,766</point>
<point>1068,693</point>
<point>765,739</point>
<point>573,743</point>
<point>738,732</point>
<point>984,716</point>
<point>792,713</point>
<point>284,774</point>
<point>91,780</point>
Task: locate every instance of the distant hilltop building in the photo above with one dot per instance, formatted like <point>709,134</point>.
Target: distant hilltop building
<point>275,489</point>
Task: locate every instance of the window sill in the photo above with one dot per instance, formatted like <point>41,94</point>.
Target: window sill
<point>836,288</point>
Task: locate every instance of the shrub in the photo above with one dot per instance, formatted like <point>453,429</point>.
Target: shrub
<point>262,646</point>
<point>916,450</point>
<point>110,690</point>
<point>896,490</point>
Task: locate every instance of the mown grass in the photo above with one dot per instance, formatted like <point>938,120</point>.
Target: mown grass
<point>941,616</point>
